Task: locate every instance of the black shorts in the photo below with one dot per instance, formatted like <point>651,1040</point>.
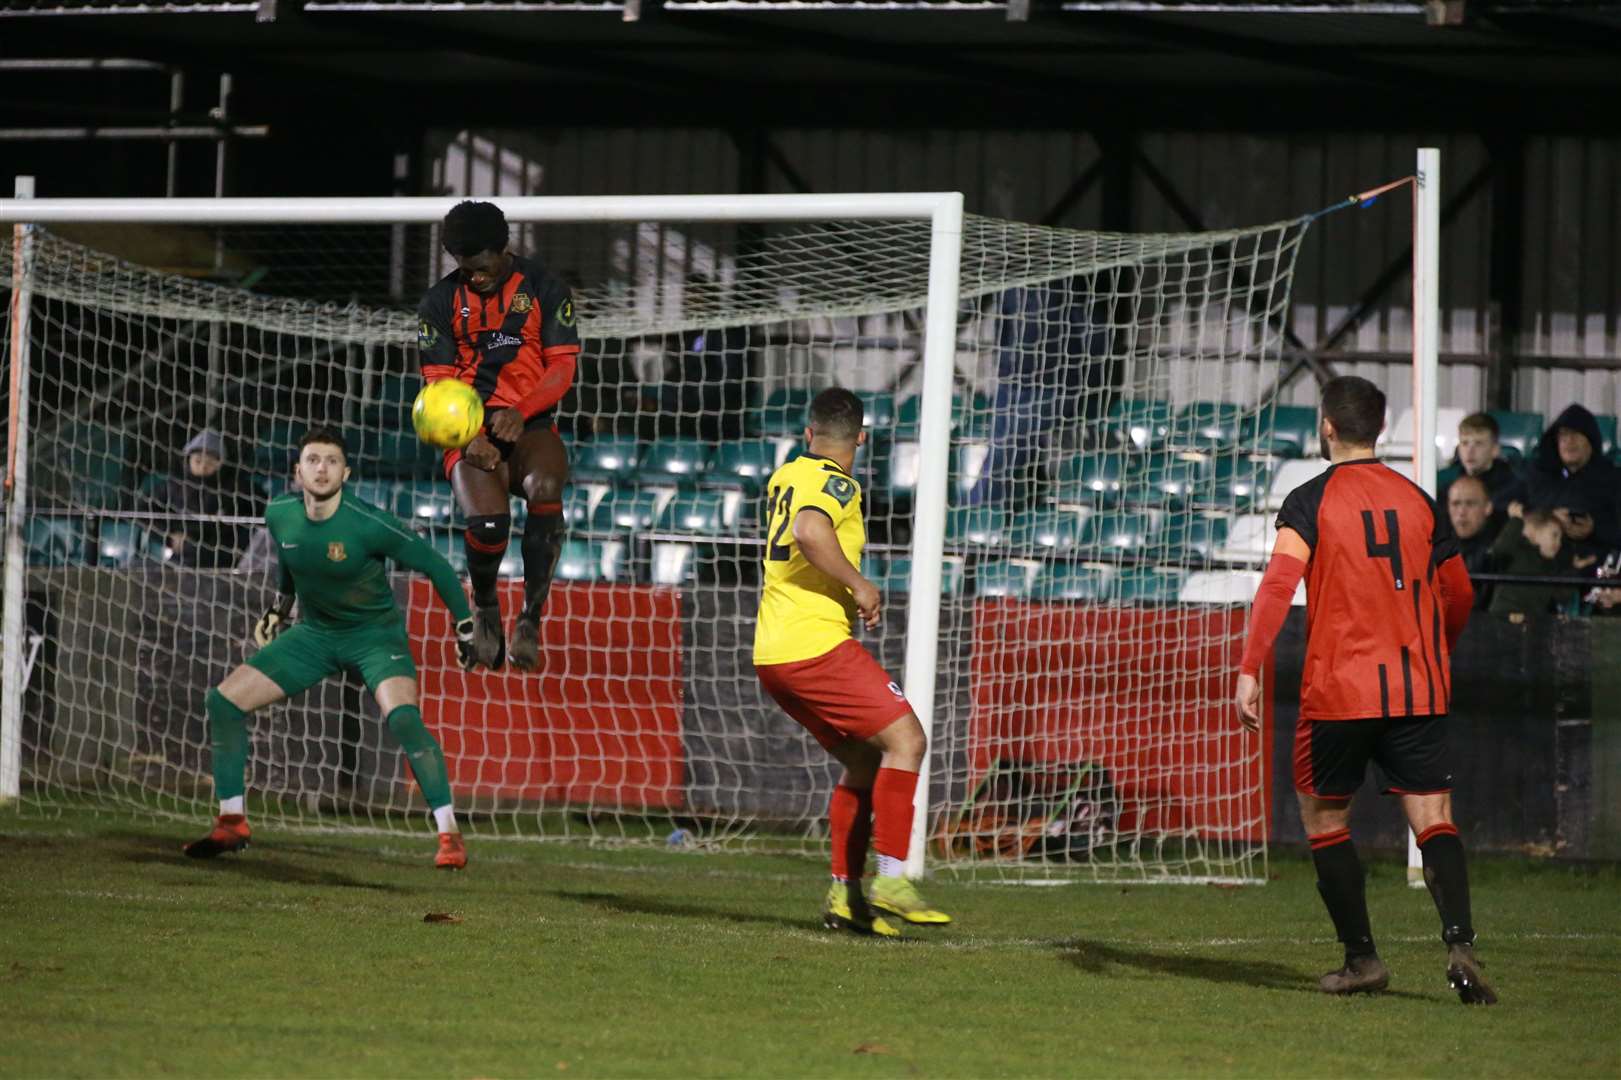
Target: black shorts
<point>546,421</point>
<point>1331,756</point>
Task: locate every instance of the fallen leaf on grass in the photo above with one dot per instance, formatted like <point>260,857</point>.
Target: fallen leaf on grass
<point>871,1048</point>
<point>442,916</point>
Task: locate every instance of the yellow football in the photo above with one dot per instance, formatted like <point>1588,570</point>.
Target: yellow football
<point>447,414</point>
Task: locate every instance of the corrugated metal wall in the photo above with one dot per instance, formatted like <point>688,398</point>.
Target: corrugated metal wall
<point>1571,219</point>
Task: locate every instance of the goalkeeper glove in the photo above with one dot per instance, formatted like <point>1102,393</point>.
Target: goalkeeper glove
<point>464,644</point>
<point>272,622</point>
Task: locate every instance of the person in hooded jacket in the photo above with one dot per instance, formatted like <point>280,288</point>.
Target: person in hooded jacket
<point>1569,477</point>
<point>206,485</point>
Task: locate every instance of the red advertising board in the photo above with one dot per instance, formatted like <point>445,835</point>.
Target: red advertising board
<point>1145,692</point>
<point>599,724</point>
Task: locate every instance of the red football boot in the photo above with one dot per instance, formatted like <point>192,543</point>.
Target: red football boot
<point>230,833</point>
<point>452,852</point>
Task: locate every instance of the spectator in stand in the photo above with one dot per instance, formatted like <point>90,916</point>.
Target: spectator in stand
<point>1568,477</point>
<point>206,486</point>
<point>1533,542</point>
<point>1477,455</point>
<point>1469,505</point>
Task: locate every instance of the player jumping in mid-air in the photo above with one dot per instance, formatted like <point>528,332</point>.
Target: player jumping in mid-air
<point>504,326</point>
<point>808,662</point>
<point>1387,596</point>
<point>332,549</point>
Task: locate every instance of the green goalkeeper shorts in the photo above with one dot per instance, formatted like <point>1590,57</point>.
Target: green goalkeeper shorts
<point>304,654</point>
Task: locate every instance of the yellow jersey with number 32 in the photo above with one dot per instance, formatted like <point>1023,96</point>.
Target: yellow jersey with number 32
<point>803,612</point>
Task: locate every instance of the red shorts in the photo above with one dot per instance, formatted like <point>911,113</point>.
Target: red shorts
<point>842,694</point>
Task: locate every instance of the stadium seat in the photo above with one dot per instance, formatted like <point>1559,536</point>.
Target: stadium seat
<point>119,543</point>
<point>627,510</point>
<point>1193,537</point>
<point>1283,431</point>
<point>1119,533</point>
<point>606,459</point>
<point>979,526</point>
<point>1167,481</point>
<point>879,411</point>
<point>1249,539</point>
<point>392,406</point>
<point>1397,439</point>
<point>1519,430</point>
<point>1290,476</point>
<point>970,417</point>
<point>1091,479</point>
<point>383,494</point>
<point>898,480</point>
<point>1206,425</point>
<point>274,445</point>
<point>580,560</point>
<point>398,453</point>
<point>1219,587</point>
<point>578,502</point>
<point>1606,428</point>
<point>696,513</point>
<point>1151,585</point>
<point>894,576</point>
<point>674,563</point>
<point>448,543</point>
<point>784,413</point>
<point>85,463</point>
<point>674,461</point>
<point>1403,466</point>
<point>1140,425</point>
<point>1056,530</point>
<point>1013,578</point>
<point>1236,483</point>
<point>426,502</point>
<point>54,541</point>
<point>744,464</point>
<point>1066,581</point>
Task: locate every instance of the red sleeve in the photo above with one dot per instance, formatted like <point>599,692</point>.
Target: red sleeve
<point>1457,597</point>
<point>554,382</point>
<point>1271,607</point>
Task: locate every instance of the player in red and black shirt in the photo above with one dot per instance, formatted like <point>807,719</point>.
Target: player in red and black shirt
<point>504,326</point>
<point>1387,596</point>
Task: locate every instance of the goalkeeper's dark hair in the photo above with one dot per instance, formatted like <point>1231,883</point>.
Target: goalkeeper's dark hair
<point>837,414</point>
<point>475,227</point>
<point>326,437</point>
<point>1357,409</point>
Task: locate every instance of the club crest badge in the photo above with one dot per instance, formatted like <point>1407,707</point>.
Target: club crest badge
<point>841,489</point>
<point>522,302</point>
<point>335,552</point>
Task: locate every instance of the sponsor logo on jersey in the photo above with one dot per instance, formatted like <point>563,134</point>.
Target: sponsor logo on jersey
<point>335,552</point>
<point>522,302</point>
<point>427,335</point>
<point>499,340</point>
<point>841,488</point>
<point>565,312</point>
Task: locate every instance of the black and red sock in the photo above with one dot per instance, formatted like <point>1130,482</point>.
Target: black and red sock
<point>1446,874</point>
<point>1340,882</point>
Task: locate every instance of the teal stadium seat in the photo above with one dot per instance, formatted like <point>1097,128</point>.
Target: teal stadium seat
<point>1139,425</point>
<point>120,543</point>
<point>1014,578</point>
<point>970,417</point>
<point>580,560</point>
<point>674,461</point>
<point>608,459</point>
<point>626,510</point>
<point>274,446</point>
<point>1236,483</point>
<point>1207,425</point>
<point>391,408</point>
<point>1167,481</point>
<point>745,465</point>
<point>977,526</point>
<point>784,414</point>
<point>1066,581</point>
<point>879,410</point>
<point>1193,537</point>
<point>1092,479</point>
<point>54,541</point>
<point>383,494</point>
<point>82,463</point>
<point>1151,585</point>
<point>1121,533</point>
<point>695,513</point>
<point>1518,430</point>
<point>1292,432</point>
<point>426,502</point>
<point>1057,531</point>
<point>894,576</point>
<point>1606,428</point>
<point>396,453</point>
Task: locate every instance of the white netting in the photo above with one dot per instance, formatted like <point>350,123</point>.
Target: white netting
<point>1108,463</point>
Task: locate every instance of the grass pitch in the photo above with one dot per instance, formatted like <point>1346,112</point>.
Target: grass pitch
<point>308,955</point>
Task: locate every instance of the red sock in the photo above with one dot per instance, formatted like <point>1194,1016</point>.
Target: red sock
<point>892,812</point>
<point>849,818</point>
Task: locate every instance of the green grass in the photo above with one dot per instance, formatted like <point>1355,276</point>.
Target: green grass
<point>308,956</point>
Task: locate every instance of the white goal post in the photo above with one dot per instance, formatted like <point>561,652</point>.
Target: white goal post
<point>1128,322</point>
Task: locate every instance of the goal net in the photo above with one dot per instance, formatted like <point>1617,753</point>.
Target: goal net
<point>1110,449</point>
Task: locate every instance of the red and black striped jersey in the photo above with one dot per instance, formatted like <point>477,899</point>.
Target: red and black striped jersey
<point>516,346</point>
<point>1376,643</point>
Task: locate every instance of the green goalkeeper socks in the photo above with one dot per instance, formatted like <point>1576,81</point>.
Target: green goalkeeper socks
<point>228,731</point>
<point>422,751</point>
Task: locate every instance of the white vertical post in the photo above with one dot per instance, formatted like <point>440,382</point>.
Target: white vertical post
<point>929,514</point>
<point>1426,365</point>
<point>11,618</point>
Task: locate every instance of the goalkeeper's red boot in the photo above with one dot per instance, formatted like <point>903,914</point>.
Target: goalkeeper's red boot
<point>230,833</point>
<point>452,852</point>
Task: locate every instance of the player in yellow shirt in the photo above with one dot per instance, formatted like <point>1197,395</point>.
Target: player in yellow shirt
<point>809,663</point>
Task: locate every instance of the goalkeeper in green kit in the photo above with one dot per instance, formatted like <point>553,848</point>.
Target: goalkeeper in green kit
<point>332,548</point>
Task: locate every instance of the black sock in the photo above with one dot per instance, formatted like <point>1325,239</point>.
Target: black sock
<point>486,544</point>
<point>542,547</point>
<point>1447,876</point>
<point>1339,880</point>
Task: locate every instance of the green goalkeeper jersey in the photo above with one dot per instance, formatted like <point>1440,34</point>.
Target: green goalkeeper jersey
<point>336,567</point>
